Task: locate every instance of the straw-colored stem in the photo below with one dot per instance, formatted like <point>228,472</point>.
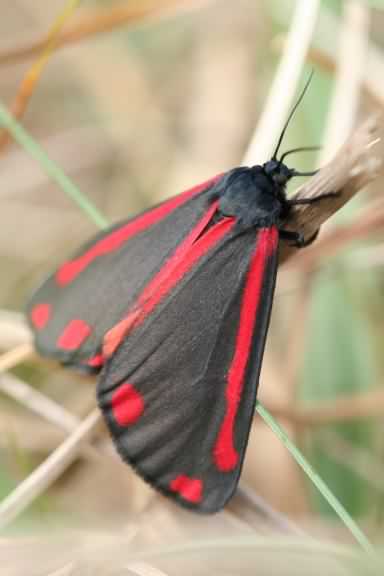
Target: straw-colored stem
<point>43,476</point>
<point>355,165</point>
<point>284,85</point>
<point>15,356</point>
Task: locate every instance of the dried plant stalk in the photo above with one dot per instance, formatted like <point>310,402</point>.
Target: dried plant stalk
<point>342,409</point>
<point>34,73</point>
<point>44,406</point>
<point>15,356</point>
<point>13,330</point>
<point>355,165</point>
<point>349,79</point>
<point>41,478</point>
<point>284,85</point>
<point>93,22</point>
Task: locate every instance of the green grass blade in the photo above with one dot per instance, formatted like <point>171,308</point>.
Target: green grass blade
<point>315,479</point>
<point>51,168</point>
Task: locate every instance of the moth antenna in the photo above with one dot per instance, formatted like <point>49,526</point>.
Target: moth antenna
<point>301,149</point>
<point>291,114</point>
<point>296,173</point>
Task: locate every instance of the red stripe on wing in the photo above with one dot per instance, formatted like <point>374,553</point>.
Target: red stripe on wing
<point>192,249</point>
<point>178,255</point>
<point>224,453</point>
<point>70,270</point>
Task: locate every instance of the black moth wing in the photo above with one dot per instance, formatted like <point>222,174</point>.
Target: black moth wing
<point>74,308</point>
<point>179,393</point>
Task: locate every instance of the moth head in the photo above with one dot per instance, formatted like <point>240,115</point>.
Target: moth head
<point>278,172</point>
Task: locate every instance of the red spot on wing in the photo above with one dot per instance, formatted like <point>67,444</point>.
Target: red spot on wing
<point>190,251</point>
<point>191,489</point>
<point>70,270</point>
<point>127,405</point>
<point>73,335</point>
<point>40,314</point>
<point>225,455</point>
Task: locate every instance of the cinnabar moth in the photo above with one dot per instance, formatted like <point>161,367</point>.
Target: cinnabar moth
<point>172,307</point>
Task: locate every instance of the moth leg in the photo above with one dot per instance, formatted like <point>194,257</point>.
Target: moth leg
<point>308,201</point>
<point>296,239</point>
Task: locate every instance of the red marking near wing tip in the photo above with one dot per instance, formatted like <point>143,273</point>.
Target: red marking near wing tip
<point>189,252</point>
<point>191,489</point>
<point>70,270</point>
<point>40,314</point>
<point>96,361</point>
<point>127,404</point>
<point>74,335</point>
<point>224,453</point>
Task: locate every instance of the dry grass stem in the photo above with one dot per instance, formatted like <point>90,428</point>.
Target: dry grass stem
<point>326,62</point>
<point>275,113</point>
<point>34,73</point>
<point>284,85</point>
<point>354,39</point>
<point>40,440</point>
<point>13,330</point>
<point>344,105</point>
<point>95,22</point>
<point>373,66</point>
<point>341,409</point>
<point>37,402</point>
<point>323,56</point>
<point>43,406</point>
<point>144,569</point>
<point>249,505</point>
<point>370,222</point>
<point>354,166</point>
<point>45,474</point>
<point>15,356</point>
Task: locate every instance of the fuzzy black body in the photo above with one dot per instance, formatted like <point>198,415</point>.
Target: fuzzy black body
<point>253,197</point>
<point>172,308</point>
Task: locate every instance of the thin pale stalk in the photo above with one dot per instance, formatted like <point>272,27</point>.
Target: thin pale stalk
<point>284,85</point>
<point>45,474</point>
<point>15,356</point>
<point>99,21</point>
<point>348,81</point>
<point>34,73</point>
<point>43,406</point>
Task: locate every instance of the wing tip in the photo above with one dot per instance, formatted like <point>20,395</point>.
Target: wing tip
<point>182,490</point>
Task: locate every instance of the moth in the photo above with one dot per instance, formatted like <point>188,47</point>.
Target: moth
<point>171,308</point>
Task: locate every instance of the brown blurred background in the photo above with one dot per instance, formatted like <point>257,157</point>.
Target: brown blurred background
<point>143,111</point>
